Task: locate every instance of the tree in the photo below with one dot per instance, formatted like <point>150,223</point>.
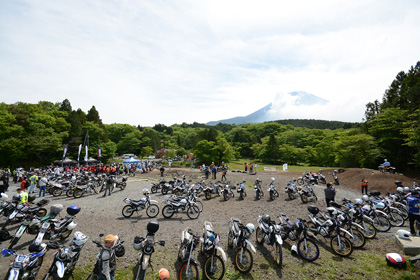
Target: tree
<point>93,116</point>
<point>206,151</point>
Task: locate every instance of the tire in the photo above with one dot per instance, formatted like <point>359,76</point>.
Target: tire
<point>404,213</point>
<point>258,196</point>
<point>153,189</point>
<point>56,192</point>
<point>200,205</point>
<point>358,240</point>
<point>300,181</point>
<point>52,276</point>
<point>192,271</point>
<point>308,249</point>
<point>37,267</point>
<point>291,197</point>
<point>41,212</point>
<point>271,196</point>
<point>276,193</point>
<point>322,181</point>
<point>207,195</point>
<point>13,242</point>
<point>396,219</point>
<point>95,189</point>
<point>225,197</point>
<point>241,196</point>
<point>127,211</point>
<point>230,239</point>
<point>70,192</point>
<point>152,211</point>
<point>369,231</point>
<point>193,212</point>
<point>123,186</point>
<point>168,211</point>
<point>259,236</point>
<point>381,224</point>
<point>346,247</point>
<point>164,190</point>
<point>77,193</point>
<point>304,198</point>
<point>66,234</point>
<point>314,196</point>
<point>214,267</point>
<point>244,265</point>
<point>278,254</point>
<point>141,274</point>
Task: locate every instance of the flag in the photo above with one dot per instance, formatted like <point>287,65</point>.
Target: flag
<point>98,150</point>
<point>86,155</point>
<point>80,149</point>
<point>65,150</point>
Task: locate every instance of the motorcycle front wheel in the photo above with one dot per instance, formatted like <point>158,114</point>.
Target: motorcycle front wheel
<point>188,272</point>
<point>36,267</point>
<point>66,234</point>
<point>127,211</point>
<point>358,240</point>
<point>77,193</point>
<point>396,219</point>
<point>154,189</point>
<point>164,190</point>
<point>193,212</point>
<point>56,192</point>
<point>207,195</point>
<point>279,255</point>
<point>381,223</point>
<point>304,198</point>
<point>168,211</point>
<point>152,211</point>
<point>51,276</point>
<point>369,231</point>
<point>244,260</point>
<point>291,196</point>
<point>70,192</point>
<point>214,267</point>
<point>342,247</point>
<point>41,212</point>
<point>260,236</point>
<point>308,249</point>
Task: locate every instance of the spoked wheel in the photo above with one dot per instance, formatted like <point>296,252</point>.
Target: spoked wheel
<point>164,190</point>
<point>200,205</point>
<point>271,196</point>
<point>230,239</point>
<point>207,195</point>
<point>314,196</point>
<point>358,240</point>
<point>193,212</point>
<point>168,211</point>
<point>36,268</point>
<point>396,219</point>
<point>41,212</point>
<point>153,189</point>
<point>95,189</point>
<point>188,272</point>
<point>304,198</point>
<point>369,231</point>
<point>381,223</point>
<point>127,211</point>
<point>308,249</point>
<point>260,236</point>
<point>291,196</point>
<point>66,234</point>
<point>77,193</point>
<point>57,192</point>
<point>152,211</point>
<point>404,213</point>
<point>51,276</point>
<point>214,267</point>
<point>342,246</point>
<point>244,260</point>
<point>279,255</point>
<point>70,192</point>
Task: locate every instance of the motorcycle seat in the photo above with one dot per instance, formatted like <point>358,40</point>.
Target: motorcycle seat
<point>236,228</point>
<point>62,221</point>
<point>140,201</point>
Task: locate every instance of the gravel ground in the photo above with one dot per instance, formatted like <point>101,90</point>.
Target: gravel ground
<point>103,215</point>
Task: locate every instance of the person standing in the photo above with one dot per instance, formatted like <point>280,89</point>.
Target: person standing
<point>5,180</point>
<point>162,170</point>
<point>23,195</point>
<point>214,171</point>
<point>34,180</point>
<point>108,260</point>
<point>364,186</point>
<point>413,203</point>
<point>246,167</point>
<point>43,184</point>
<point>108,185</point>
<point>207,172</point>
<point>224,174</point>
<point>329,193</point>
<point>250,167</point>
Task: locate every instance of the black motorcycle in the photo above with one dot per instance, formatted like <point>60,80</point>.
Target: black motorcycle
<point>146,246</point>
<point>258,190</point>
<point>238,238</point>
<point>189,267</point>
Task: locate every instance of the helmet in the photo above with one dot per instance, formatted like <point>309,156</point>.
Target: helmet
<point>163,274</point>
<point>16,197</point>
<point>385,160</point>
<point>273,179</point>
<point>145,191</point>
<point>119,250</point>
<point>358,201</point>
<point>266,219</point>
<point>365,198</point>
<point>400,189</point>
<point>403,234</point>
<point>406,189</point>
<point>4,197</point>
<point>250,227</point>
<point>258,180</point>
<point>79,238</point>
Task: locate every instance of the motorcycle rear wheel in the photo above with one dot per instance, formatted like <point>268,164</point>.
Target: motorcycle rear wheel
<point>70,192</point>
<point>66,234</point>
<point>127,211</point>
<point>41,212</point>
<point>154,189</point>
<point>168,211</point>
<point>304,198</point>
<point>244,265</point>
<point>123,186</point>
<point>77,193</point>
<point>279,254</point>
<point>56,192</point>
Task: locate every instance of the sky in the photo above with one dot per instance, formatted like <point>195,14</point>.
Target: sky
<point>151,61</point>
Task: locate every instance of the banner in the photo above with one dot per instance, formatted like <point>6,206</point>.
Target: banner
<point>78,155</point>
<point>98,150</point>
<point>65,150</point>
<point>86,155</point>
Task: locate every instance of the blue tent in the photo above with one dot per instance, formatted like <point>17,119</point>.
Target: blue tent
<point>131,160</point>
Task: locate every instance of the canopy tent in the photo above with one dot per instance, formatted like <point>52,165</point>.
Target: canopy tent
<point>131,160</point>
<point>90,160</point>
<point>66,161</point>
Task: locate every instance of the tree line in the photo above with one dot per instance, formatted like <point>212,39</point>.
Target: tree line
<point>34,135</point>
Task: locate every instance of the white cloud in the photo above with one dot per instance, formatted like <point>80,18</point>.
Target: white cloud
<point>201,61</point>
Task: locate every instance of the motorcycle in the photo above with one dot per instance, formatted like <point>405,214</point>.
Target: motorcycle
<point>214,266</point>
<point>120,184</point>
<point>270,233</point>
<point>89,187</point>
<point>20,211</point>
<point>212,189</point>
<point>25,267</point>
<point>291,190</point>
<point>152,209</point>
<point>258,190</point>
<point>177,205</point>
<point>307,193</point>
<point>241,190</point>
<point>238,238</point>
<point>227,192</point>
<point>189,267</point>
<point>157,186</point>
<point>272,189</point>
<point>146,246</point>
<point>54,229</point>
<point>65,259</point>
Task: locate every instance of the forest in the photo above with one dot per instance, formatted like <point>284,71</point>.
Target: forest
<point>35,134</point>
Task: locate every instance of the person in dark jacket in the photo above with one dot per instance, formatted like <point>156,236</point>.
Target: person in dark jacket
<point>413,203</point>
<point>329,193</point>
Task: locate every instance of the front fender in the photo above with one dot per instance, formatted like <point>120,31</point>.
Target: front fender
<point>345,231</point>
<point>357,225</point>
<point>13,274</point>
<point>382,213</point>
<point>153,201</point>
<point>145,262</point>
<point>222,252</point>
<point>278,239</point>
<point>250,245</point>
<point>60,268</point>
<point>367,219</point>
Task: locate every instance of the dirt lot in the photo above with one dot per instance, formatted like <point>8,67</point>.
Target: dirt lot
<point>103,215</point>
